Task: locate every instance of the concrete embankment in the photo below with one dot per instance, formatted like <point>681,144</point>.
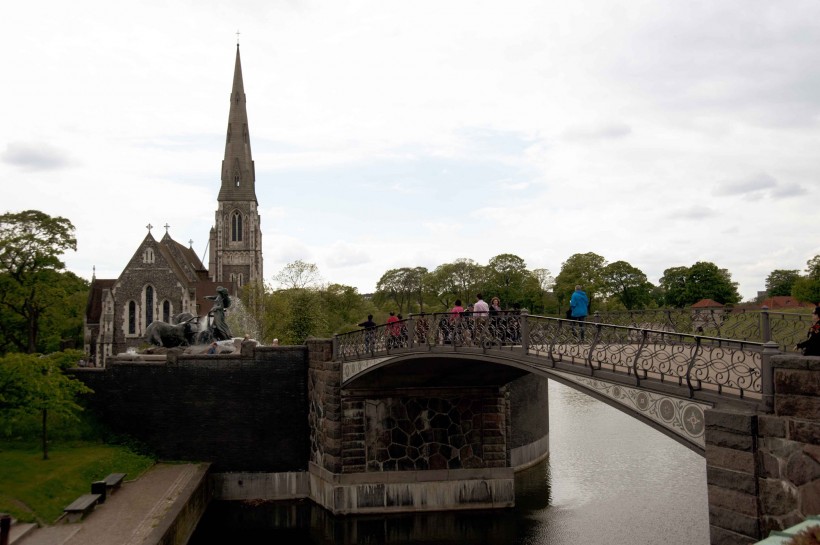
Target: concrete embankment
<point>162,507</point>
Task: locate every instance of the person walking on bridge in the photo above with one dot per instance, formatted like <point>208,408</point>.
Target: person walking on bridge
<point>579,308</point>
<point>811,346</point>
<point>369,332</point>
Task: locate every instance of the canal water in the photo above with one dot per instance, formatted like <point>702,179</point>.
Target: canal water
<point>609,479</point>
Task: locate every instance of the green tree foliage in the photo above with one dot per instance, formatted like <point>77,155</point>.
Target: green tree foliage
<point>807,288</point>
<point>31,383</point>
<point>673,284</point>
<point>33,286</point>
<point>295,313</point>
<point>780,282</point>
<point>580,269</point>
<point>456,280</point>
<point>546,303</point>
<point>507,277</point>
<point>298,275</point>
<point>685,286</point>
<point>627,284</point>
<point>403,288</point>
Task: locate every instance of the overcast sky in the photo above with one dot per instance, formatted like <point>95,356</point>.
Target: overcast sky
<point>390,134</point>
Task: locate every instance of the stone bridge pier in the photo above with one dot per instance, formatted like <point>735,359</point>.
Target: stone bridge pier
<point>414,442</point>
<point>763,468</point>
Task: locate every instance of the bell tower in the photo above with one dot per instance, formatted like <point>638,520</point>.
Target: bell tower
<point>236,237</point>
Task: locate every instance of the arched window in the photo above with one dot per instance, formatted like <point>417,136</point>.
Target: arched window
<point>239,280</point>
<point>166,311</point>
<point>236,227</point>
<point>149,305</point>
<point>132,318</point>
<point>148,255</point>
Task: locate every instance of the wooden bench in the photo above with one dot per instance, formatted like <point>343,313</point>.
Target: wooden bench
<point>80,507</point>
<point>114,480</point>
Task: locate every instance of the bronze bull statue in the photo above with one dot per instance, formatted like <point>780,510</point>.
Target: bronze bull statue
<point>170,335</point>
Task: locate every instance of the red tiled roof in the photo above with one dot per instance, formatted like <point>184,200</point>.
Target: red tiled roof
<point>784,301</point>
<point>707,303</point>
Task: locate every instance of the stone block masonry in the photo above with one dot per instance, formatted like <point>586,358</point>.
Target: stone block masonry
<point>763,470</point>
<point>241,413</point>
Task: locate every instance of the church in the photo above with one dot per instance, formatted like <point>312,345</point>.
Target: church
<point>165,278</point>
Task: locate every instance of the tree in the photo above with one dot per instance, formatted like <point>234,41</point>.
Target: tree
<point>298,275</point>
<point>31,384</point>
<point>704,280</point>
<point>401,286</point>
<point>546,300</point>
<point>456,280</point>
<point>628,284</point>
<point>580,269</point>
<point>673,284</point>
<point>31,243</point>
<point>507,277</point>
<point>807,288</point>
<point>780,282</point>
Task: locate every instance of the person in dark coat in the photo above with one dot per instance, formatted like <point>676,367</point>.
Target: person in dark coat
<point>811,346</point>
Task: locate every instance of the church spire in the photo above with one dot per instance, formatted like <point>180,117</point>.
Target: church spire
<point>238,175</point>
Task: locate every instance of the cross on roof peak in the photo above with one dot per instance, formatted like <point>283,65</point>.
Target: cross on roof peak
<point>149,227</point>
<point>166,227</point>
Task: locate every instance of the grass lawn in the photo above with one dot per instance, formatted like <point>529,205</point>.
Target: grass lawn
<point>33,489</point>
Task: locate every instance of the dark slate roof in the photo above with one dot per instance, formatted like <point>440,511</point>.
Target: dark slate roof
<point>93,309</point>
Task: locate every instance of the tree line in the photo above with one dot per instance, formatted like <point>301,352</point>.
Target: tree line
<point>42,305</point>
<point>302,306</point>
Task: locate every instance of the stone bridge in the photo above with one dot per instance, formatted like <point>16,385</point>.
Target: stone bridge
<point>717,396</point>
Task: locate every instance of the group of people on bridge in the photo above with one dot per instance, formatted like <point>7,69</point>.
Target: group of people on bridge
<point>476,325</point>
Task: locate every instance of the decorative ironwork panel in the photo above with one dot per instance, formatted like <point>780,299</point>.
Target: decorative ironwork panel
<point>683,417</point>
<point>789,329</point>
<point>732,367</point>
<point>352,368</point>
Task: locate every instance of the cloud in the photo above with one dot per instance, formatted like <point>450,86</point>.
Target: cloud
<point>346,255</point>
<point>598,132</point>
<point>35,156</point>
<point>694,212</point>
<point>746,186</point>
<point>788,190</point>
<point>758,186</point>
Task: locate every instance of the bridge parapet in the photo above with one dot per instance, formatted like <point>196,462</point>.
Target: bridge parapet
<point>728,368</point>
<point>756,325</point>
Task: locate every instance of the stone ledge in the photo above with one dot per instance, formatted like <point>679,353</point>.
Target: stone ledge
<point>379,493</point>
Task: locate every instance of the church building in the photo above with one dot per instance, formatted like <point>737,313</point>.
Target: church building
<point>165,278</point>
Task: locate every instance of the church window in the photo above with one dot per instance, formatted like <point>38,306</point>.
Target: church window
<point>236,227</point>
<point>166,311</point>
<point>148,255</point>
<point>149,305</point>
<point>132,318</point>
<point>239,280</point>
<point>237,172</point>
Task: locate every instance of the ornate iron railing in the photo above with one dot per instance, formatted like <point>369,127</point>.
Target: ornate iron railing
<point>730,367</point>
<point>786,329</point>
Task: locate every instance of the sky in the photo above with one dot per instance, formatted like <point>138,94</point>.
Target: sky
<point>393,134</point>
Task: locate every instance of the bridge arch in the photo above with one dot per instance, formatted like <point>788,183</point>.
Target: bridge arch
<point>677,417</point>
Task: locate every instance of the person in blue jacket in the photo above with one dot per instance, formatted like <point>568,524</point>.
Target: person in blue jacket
<point>579,307</point>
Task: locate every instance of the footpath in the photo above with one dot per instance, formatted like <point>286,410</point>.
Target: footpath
<point>136,514</point>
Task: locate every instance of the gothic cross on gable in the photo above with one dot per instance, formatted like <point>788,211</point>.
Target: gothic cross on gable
<point>191,243</point>
<point>237,36</point>
<point>149,227</point>
<point>166,227</point>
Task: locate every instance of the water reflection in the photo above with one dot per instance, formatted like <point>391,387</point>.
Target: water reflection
<point>610,479</point>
